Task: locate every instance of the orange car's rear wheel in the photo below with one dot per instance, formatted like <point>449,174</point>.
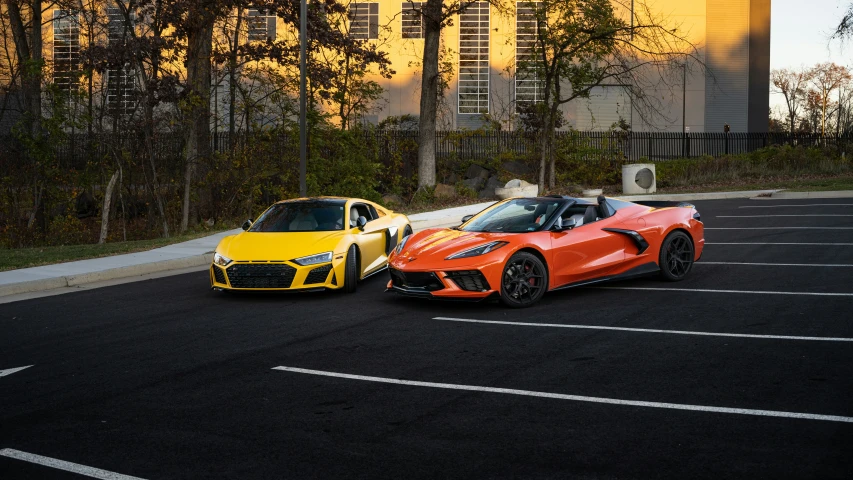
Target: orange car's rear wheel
<point>524,280</point>
<point>676,256</point>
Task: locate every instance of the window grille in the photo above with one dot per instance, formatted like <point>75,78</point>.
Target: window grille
<point>474,59</point>
<point>66,49</point>
<point>528,88</point>
<point>412,20</point>
<point>364,20</point>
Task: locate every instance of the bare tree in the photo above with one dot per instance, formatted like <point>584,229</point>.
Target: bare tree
<point>792,84</point>
<point>582,44</point>
<point>827,78</point>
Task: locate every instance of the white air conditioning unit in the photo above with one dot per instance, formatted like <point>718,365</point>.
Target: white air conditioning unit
<point>639,178</point>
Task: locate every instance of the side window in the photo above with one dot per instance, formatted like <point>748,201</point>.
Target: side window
<point>363,211</point>
<point>373,212</point>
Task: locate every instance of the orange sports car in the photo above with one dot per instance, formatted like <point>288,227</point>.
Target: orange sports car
<point>520,248</point>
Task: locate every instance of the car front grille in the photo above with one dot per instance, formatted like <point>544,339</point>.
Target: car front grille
<point>244,275</point>
<point>470,280</point>
<point>420,280</point>
<point>318,275</point>
<point>218,275</point>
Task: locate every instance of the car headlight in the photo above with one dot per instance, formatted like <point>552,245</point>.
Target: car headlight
<point>476,251</point>
<point>314,259</point>
<point>221,260</point>
<point>402,245</point>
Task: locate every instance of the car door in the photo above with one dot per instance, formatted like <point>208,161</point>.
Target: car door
<point>586,252</point>
<point>373,239</point>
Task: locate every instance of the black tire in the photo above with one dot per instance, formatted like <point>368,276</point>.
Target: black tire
<point>351,270</point>
<point>524,280</point>
<point>676,256</point>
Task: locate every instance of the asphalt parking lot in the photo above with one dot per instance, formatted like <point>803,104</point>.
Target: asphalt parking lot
<point>744,370</point>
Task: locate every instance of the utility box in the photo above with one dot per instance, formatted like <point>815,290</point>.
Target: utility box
<point>639,178</point>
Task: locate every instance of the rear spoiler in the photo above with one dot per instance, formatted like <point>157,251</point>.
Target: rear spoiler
<point>665,204</point>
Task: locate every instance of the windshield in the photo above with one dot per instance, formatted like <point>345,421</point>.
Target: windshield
<point>515,216</point>
<point>318,216</point>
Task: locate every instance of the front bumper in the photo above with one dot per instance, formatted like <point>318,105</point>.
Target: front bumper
<point>278,276</point>
<point>457,284</point>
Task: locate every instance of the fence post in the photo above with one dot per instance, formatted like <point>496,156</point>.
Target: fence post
<point>727,142</point>
<point>650,146</point>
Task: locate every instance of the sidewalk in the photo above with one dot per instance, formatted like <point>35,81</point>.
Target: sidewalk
<point>199,253</point>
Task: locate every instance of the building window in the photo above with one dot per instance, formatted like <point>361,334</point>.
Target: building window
<point>120,79</point>
<point>364,21</point>
<point>474,59</point>
<point>66,49</point>
<point>261,26</point>
<point>412,20</point>
<point>528,88</point>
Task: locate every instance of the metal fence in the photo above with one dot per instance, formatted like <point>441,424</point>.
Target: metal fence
<point>74,151</point>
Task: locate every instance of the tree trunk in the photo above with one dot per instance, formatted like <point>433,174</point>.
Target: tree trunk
<point>232,82</point>
<point>429,93</point>
<point>199,46</point>
<point>28,47</point>
<point>105,212</point>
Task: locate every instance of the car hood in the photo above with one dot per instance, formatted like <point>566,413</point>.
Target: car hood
<point>279,246</point>
<point>441,243</point>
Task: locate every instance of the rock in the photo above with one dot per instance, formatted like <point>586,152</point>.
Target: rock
<point>452,179</point>
<point>516,183</point>
<point>473,183</point>
<point>516,167</point>
<point>493,182</point>
<point>520,189</point>
<point>488,192</point>
<point>442,190</point>
<point>85,205</point>
<point>476,171</point>
<point>210,222</point>
<point>392,200</point>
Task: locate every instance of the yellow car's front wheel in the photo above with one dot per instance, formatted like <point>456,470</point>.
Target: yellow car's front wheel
<point>351,270</point>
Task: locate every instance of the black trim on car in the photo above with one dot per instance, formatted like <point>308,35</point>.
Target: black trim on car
<point>636,272</point>
<point>638,239</point>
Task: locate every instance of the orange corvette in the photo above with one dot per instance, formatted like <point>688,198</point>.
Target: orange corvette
<point>520,248</point>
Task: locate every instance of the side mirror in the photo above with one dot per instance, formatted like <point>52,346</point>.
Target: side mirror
<point>562,225</point>
<point>466,218</point>
<point>247,224</point>
<point>360,223</point>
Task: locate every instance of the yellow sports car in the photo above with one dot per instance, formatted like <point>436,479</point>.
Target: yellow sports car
<point>307,244</point>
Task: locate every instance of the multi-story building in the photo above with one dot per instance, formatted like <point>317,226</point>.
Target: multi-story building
<point>729,84</point>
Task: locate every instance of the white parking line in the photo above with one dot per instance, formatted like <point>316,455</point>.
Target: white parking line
<point>778,228</point>
<point>779,243</point>
<point>771,216</point>
<point>575,398</point>
<point>63,465</point>
<point>646,330</point>
<point>707,290</point>
<point>778,264</point>
<point>806,205</point>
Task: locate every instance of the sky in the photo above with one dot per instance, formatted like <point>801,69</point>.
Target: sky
<point>799,35</point>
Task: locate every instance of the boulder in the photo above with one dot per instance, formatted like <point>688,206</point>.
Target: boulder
<point>517,188</point>
<point>476,171</point>
<point>442,190</point>
<point>392,200</point>
<point>473,183</point>
<point>493,182</point>
<point>516,167</point>
<point>487,193</point>
<point>452,179</point>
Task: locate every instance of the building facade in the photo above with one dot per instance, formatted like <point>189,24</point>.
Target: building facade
<point>727,85</point>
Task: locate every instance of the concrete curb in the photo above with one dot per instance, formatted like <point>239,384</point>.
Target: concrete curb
<point>828,194</point>
<point>676,197</point>
<point>103,275</point>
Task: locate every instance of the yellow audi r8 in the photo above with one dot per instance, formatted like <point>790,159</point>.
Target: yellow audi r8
<point>308,244</point>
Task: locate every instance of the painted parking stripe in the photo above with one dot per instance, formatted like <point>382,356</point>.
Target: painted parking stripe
<point>773,216</point>
<point>805,205</point>
<point>575,398</point>
<point>708,290</point>
<point>63,465</point>
<point>780,243</point>
<point>777,264</point>
<point>647,330</point>
<point>778,228</point>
